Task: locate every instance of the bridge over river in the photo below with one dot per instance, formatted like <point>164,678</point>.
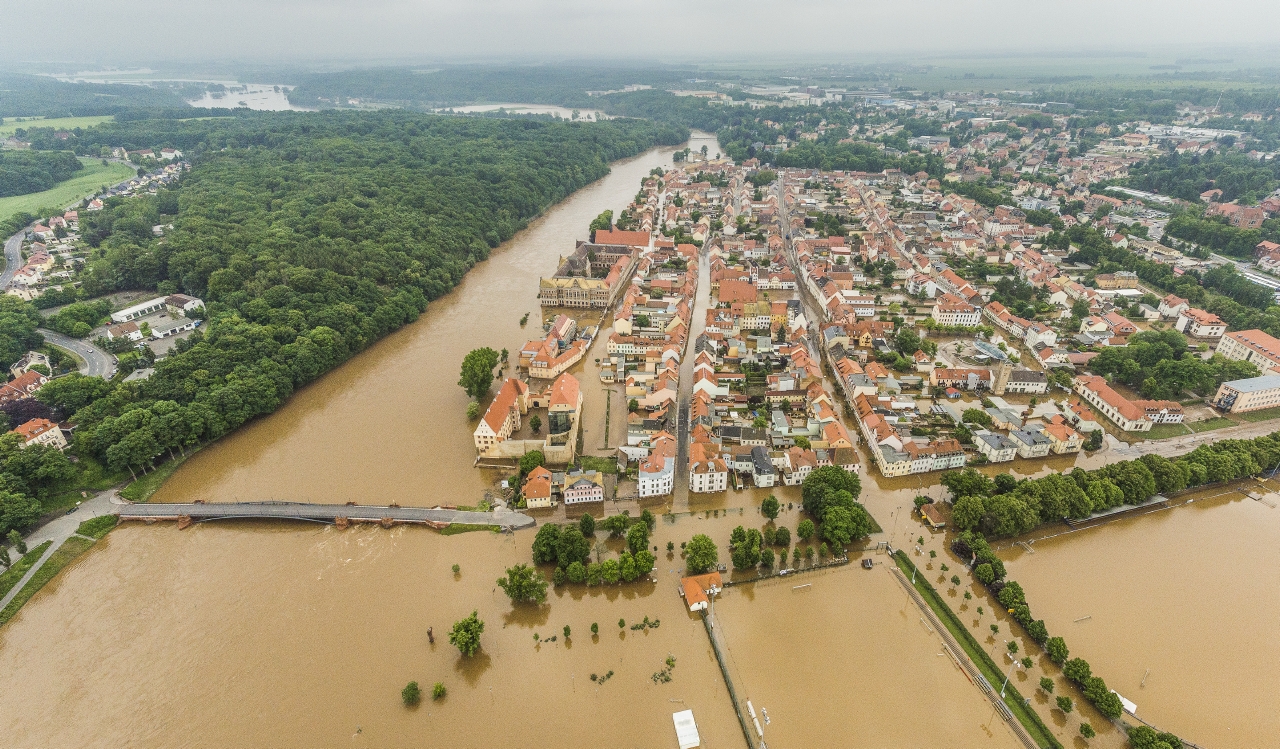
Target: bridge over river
<point>339,515</point>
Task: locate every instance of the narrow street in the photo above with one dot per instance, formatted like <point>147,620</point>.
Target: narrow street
<point>702,302</point>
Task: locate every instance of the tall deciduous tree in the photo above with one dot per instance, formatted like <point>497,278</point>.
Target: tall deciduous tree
<point>701,554</point>
<point>477,371</point>
<point>523,584</point>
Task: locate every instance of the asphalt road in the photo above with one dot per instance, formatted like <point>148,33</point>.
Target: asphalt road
<point>97,363</point>
<point>12,258</point>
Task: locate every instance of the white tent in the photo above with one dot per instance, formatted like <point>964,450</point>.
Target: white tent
<point>686,729</point>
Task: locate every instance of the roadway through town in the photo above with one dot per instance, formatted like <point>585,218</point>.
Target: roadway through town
<point>96,362</point>
<point>697,324</point>
<point>12,258</point>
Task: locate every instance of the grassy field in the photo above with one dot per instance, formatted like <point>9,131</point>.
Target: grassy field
<point>98,527</point>
<point>1165,431</point>
<point>66,554</point>
<point>61,123</point>
<point>1265,414</point>
<point>1208,425</point>
<point>20,567</point>
<point>85,183</point>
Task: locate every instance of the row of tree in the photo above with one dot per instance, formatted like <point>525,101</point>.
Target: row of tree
<point>1007,507</point>
<point>989,569</point>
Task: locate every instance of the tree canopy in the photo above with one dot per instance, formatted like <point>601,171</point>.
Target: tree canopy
<point>309,237</point>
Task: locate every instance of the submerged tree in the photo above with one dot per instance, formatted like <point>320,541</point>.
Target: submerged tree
<point>466,634</point>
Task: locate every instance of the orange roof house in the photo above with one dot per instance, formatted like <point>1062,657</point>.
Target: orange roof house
<point>698,589</point>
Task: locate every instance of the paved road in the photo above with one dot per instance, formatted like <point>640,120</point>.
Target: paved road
<point>12,259</point>
<point>1176,446</point>
<point>60,530</point>
<point>97,363</point>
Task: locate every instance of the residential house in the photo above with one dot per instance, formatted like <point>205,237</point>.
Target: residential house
<point>1200,324</point>
<point>707,470</point>
<point>1063,439</point>
<point>503,415</point>
<point>997,447</point>
<point>41,432</point>
<point>23,386</point>
<point>537,489</point>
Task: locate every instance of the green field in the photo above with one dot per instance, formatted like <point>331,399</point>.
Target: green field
<point>1265,414</point>
<point>61,123</point>
<point>84,184</point>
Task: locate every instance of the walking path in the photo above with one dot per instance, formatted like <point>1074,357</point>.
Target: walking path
<point>58,531</point>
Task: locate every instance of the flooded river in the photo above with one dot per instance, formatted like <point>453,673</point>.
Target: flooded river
<point>1181,609</point>
<point>255,635</point>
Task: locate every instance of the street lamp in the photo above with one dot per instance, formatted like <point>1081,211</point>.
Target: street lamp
<point>1011,667</point>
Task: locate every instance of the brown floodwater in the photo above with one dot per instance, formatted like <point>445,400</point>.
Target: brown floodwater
<point>245,634</point>
<point>297,636</point>
<point>846,660</point>
<point>1181,608</point>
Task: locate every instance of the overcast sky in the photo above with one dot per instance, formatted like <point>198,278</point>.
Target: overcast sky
<point>119,31</point>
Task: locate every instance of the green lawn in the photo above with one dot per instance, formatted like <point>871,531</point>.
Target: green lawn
<point>20,567</point>
<point>70,549</point>
<point>60,123</point>
<point>1208,425</point>
<point>1165,431</point>
<point>98,527</point>
<point>1265,414</point>
<point>84,184</point>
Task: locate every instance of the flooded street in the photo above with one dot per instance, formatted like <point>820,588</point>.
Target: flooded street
<point>830,655</point>
<point>1185,599</point>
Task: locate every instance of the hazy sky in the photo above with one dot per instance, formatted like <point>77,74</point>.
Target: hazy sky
<point>118,31</point>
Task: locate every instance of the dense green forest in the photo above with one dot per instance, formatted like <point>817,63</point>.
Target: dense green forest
<point>24,172</point>
<point>565,86</point>
<point>310,237</point>
<point>1181,176</point>
<point>1218,235</point>
<point>39,96</point>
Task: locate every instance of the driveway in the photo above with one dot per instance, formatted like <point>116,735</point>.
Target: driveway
<point>97,363</point>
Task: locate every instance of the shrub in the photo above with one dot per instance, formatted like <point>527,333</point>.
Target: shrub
<point>1046,684</point>
<point>805,530</point>
<point>1087,731</point>
<point>411,694</point>
<point>1064,704</point>
<point>782,536</point>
